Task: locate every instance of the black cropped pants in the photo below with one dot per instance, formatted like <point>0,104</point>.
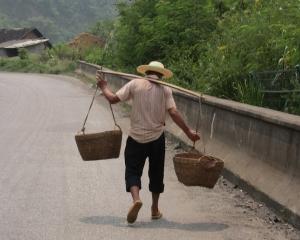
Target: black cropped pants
<point>135,156</point>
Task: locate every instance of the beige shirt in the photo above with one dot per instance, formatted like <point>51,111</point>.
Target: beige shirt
<point>150,102</point>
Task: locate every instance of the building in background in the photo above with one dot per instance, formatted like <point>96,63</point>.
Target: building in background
<point>11,40</point>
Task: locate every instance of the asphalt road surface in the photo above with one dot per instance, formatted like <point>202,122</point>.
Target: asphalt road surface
<point>48,192</point>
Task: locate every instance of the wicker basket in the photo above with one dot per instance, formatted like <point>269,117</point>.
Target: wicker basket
<point>99,146</point>
<point>195,169</point>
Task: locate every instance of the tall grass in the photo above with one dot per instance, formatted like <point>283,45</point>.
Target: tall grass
<point>250,92</point>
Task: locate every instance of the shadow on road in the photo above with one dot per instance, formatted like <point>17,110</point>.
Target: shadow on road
<point>162,223</point>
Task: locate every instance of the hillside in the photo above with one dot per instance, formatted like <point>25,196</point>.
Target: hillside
<point>58,20</point>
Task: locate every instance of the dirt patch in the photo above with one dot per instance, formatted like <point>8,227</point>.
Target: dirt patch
<point>86,40</point>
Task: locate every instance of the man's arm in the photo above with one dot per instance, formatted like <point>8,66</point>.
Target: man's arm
<point>175,115</point>
<point>102,84</point>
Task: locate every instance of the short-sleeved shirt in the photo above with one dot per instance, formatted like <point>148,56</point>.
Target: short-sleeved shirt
<point>150,102</point>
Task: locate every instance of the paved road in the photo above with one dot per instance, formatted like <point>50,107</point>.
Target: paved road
<point>48,192</point>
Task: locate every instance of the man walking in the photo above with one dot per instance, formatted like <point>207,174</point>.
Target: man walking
<point>150,102</point>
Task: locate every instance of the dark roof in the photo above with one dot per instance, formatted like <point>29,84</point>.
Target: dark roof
<point>17,34</point>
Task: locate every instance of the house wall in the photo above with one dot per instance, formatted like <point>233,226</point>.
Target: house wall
<point>37,49</point>
<point>3,53</point>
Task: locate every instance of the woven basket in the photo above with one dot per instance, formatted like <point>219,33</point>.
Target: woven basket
<point>99,146</point>
<point>195,169</point>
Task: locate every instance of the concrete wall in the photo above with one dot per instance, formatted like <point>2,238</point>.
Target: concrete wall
<point>260,147</point>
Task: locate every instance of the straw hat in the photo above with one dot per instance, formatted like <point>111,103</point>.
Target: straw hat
<point>155,67</point>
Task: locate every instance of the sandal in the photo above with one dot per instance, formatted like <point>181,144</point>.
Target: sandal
<point>134,211</point>
<point>156,216</point>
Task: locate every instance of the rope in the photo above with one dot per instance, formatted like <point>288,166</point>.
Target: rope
<point>201,115</point>
<point>112,112</point>
<point>198,125</point>
<point>198,116</point>
<point>83,127</point>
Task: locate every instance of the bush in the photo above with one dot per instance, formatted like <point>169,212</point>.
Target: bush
<point>94,55</point>
<point>23,53</point>
<point>63,51</point>
<point>211,46</point>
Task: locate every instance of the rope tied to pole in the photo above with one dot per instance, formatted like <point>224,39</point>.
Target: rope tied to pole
<point>93,99</point>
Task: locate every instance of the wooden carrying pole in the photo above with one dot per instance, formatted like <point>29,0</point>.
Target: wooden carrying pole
<point>198,95</point>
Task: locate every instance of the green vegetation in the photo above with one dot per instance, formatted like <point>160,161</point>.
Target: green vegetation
<point>59,20</point>
<point>211,46</point>
<point>60,59</point>
<point>250,92</point>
